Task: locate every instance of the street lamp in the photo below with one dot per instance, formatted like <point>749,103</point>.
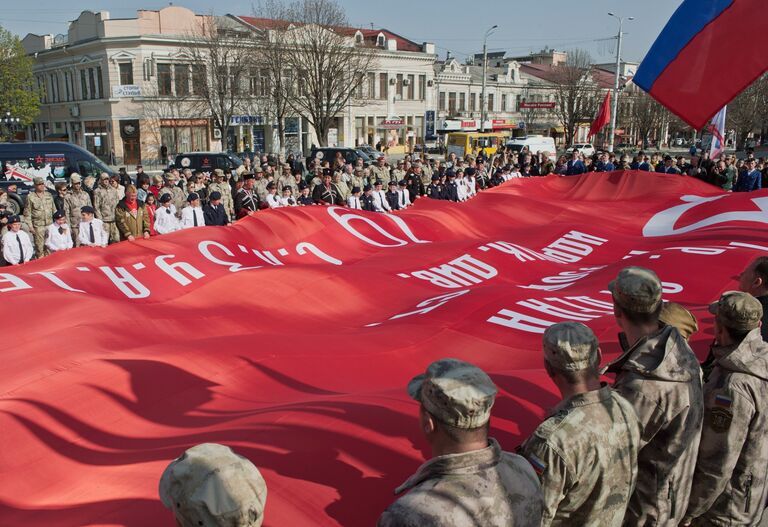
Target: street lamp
<point>483,106</point>
<point>10,123</point>
<point>616,80</point>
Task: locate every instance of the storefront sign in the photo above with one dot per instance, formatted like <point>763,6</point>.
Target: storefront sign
<point>429,126</point>
<point>532,105</point>
<point>126,90</point>
<point>392,123</point>
<point>502,124</point>
<point>246,120</point>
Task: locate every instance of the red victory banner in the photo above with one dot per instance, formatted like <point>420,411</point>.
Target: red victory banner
<point>291,336</point>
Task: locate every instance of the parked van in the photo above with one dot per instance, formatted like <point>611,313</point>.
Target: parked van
<point>535,143</point>
<point>471,143</point>
<point>207,161</point>
<point>21,162</point>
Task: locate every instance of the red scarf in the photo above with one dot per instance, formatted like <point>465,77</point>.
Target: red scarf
<point>133,207</point>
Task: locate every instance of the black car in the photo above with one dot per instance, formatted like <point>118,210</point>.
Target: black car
<point>54,161</point>
<point>207,161</point>
<point>328,153</point>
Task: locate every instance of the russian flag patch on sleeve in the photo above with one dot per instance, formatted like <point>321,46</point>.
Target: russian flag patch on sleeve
<point>538,465</point>
<point>723,401</point>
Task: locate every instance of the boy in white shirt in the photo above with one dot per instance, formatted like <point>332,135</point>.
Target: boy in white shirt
<point>273,200</point>
<point>403,196</point>
<point>353,201</point>
<point>165,217</point>
<point>287,199</point>
<point>91,231</point>
<point>58,236</point>
<point>17,245</point>
<point>192,215</point>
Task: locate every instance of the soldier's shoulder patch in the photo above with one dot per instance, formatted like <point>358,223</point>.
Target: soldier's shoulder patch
<point>538,465</point>
<point>720,419</point>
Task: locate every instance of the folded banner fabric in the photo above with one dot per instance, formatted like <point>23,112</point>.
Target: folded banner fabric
<point>291,337</point>
<point>709,51</point>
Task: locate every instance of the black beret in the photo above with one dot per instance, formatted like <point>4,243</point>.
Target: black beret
<point>214,195</point>
<point>470,171</point>
<point>303,185</point>
<point>435,177</point>
<point>165,198</point>
<point>402,183</point>
<point>90,210</point>
<point>193,196</point>
<point>271,185</point>
<point>355,190</point>
<point>14,219</point>
<point>58,215</point>
<point>367,188</point>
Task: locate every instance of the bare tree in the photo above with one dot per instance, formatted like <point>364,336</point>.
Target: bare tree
<point>158,108</point>
<point>575,91</point>
<point>749,110</point>
<point>221,52</point>
<point>646,114</point>
<point>322,54</point>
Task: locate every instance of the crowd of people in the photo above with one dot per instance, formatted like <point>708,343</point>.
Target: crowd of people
<point>671,442</point>
<point>96,212</point>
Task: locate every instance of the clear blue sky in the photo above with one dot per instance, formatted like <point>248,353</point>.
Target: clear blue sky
<point>456,25</point>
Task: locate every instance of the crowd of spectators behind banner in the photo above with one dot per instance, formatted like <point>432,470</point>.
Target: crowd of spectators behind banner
<point>670,442</point>
<point>123,207</point>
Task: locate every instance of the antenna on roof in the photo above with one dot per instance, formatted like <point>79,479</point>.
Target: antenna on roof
<point>371,25</point>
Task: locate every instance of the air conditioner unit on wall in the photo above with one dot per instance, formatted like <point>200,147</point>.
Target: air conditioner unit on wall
<point>216,133</point>
<point>393,81</point>
<point>406,82</point>
<point>74,111</point>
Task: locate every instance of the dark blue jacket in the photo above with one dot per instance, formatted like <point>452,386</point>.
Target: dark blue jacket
<point>215,215</point>
<point>749,181</point>
<point>574,168</point>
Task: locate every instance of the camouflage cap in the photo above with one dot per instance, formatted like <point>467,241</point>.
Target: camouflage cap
<point>675,315</point>
<point>217,172</point>
<point>737,310</point>
<point>455,392</point>
<point>75,178</point>
<point>570,346</point>
<point>37,180</point>
<point>636,289</point>
<point>210,485</point>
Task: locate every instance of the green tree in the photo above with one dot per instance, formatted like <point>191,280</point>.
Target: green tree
<point>18,93</point>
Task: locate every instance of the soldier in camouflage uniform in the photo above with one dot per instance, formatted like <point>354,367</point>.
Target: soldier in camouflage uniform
<point>38,212</point>
<point>470,481</point>
<point>178,198</point>
<point>585,453</point>
<point>730,484</point>
<point>221,186</point>
<point>397,173</point>
<point>660,376</point>
<point>105,200</point>
<point>260,185</point>
<point>73,202</point>
<point>380,171</point>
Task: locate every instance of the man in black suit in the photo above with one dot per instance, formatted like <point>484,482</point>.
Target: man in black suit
<point>451,189</point>
<point>392,196</point>
<point>214,212</point>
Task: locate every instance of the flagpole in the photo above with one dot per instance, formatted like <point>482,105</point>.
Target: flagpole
<point>616,82</point>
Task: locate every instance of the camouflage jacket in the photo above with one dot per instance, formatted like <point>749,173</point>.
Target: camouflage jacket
<point>586,458</point>
<point>661,377</point>
<point>226,196</point>
<point>39,210</point>
<point>105,199</point>
<point>729,485</point>
<point>486,487</point>
<point>381,173</point>
<point>73,202</point>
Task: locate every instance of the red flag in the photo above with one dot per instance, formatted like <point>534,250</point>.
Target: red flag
<point>291,336</point>
<point>603,116</point>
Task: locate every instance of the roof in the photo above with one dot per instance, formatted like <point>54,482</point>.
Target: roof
<point>369,35</point>
<point>604,79</point>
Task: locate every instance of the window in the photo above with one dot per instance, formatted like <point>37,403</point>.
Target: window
<point>164,79</point>
<point>441,103</point>
<point>399,85</point>
<point>490,102</point>
<point>472,102</point>
<point>422,87</point>
<point>83,85</point>
<point>503,102</point>
<point>181,79</point>
<point>411,86</point>
<point>126,72</point>
<point>198,79</point>
<point>452,103</point>
<point>54,87</point>
<point>67,78</point>
<point>518,100</point>
<point>253,82</point>
<point>371,85</point>
<point>382,86</point>
<point>99,83</point>
<point>264,83</point>
<point>462,102</point>
<point>91,84</point>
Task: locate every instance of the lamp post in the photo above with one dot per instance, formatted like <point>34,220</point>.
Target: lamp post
<point>483,106</point>
<point>10,123</point>
<point>616,80</point>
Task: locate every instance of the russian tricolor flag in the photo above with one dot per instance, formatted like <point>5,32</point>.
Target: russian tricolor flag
<point>709,51</point>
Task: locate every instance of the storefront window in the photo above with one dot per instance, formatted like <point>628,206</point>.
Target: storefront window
<point>96,138</point>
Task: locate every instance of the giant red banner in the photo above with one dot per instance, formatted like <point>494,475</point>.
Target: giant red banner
<point>291,337</point>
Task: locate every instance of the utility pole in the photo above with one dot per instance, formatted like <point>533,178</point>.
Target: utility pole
<point>615,108</point>
<point>483,105</point>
